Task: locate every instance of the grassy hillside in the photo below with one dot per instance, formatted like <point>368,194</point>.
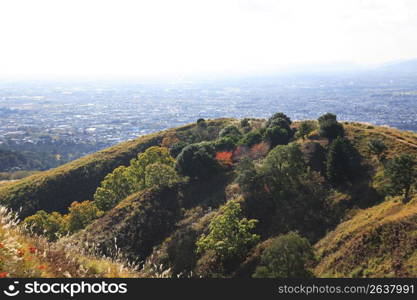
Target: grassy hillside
<point>22,255</point>
<point>258,179</point>
<point>380,241</point>
<point>56,189</point>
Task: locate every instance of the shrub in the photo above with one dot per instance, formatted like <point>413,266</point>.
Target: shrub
<point>251,139</point>
<point>177,148</point>
<point>160,175</point>
<point>230,236</point>
<point>224,158</point>
<point>276,118</point>
<point>136,170</point>
<point>401,172</point>
<point>230,131</point>
<point>42,223</point>
<point>305,129</point>
<point>201,123</point>
<point>329,127</point>
<point>197,161</point>
<point>81,214</point>
<point>259,150</point>
<point>277,136</point>
<point>377,148</point>
<point>115,187</point>
<point>288,256</point>
<point>225,144</point>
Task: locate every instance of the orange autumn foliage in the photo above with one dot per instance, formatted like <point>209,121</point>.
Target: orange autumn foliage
<point>224,158</point>
<point>259,150</point>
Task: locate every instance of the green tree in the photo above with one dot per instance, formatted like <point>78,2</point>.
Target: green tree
<point>288,256</point>
<point>152,155</point>
<point>115,187</point>
<point>277,136</point>
<point>305,129</point>
<point>327,117</point>
<point>251,139</point>
<point>246,175</point>
<point>377,148</point>
<point>278,130</point>
<point>201,123</point>
<point>401,172</point>
<point>230,236</point>
<point>342,161</point>
<point>42,223</point>
<point>124,181</point>
<point>225,144</point>
<point>277,119</point>
<point>160,175</point>
<point>197,161</point>
<point>284,194</point>
<point>245,125</point>
<point>230,131</point>
<point>282,163</point>
<point>329,127</point>
<point>81,214</point>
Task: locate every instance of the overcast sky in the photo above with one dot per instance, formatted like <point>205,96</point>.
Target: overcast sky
<point>177,37</point>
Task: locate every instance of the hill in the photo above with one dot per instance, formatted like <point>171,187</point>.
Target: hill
<point>225,198</point>
<point>56,189</point>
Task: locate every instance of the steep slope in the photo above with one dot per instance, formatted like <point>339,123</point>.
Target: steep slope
<point>22,255</point>
<point>143,220</point>
<point>56,189</point>
<point>380,241</point>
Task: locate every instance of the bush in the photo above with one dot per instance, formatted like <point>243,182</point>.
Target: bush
<point>230,236</point>
<point>277,136</point>
<point>305,129</point>
<point>81,214</point>
<point>115,187</point>
<point>251,139</point>
<point>197,161</point>
<point>42,223</point>
<point>329,127</point>
<point>160,175</point>
<point>177,148</point>
<point>288,256</point>
<point>225,144</point>
<point>230,131</point>
<point>224,158</point>
<point>401,172</point>
<point>277,130</point>
<point>377,148</point>
<point>277,119</point>
<point>245,125</point>
<point>201,123</point>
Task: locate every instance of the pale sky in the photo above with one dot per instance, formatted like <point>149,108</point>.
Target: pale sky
<point>178,37</point>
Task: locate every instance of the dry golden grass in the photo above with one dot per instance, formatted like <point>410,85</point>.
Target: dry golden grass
<point>375,242</point>
<point>22,255</point>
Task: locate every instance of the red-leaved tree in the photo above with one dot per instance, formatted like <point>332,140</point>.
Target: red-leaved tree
<point>225,158</point>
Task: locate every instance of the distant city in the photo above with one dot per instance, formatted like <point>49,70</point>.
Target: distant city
<point>104,113</point>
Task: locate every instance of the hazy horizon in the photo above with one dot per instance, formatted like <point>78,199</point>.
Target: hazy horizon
<point>197,38</point>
